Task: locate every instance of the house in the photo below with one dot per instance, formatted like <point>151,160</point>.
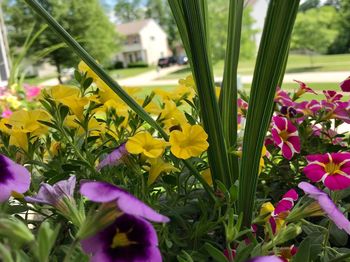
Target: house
<point>145,41</point>
<point>4,59</point>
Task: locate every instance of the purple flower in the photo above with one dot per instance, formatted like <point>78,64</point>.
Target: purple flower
<point>327,205</point>
<point>265,259</point>
<point>114,158</point>
<point>128,239</point>
<point>13,178</point>
<point>51,195</point>
<point>102,192</point>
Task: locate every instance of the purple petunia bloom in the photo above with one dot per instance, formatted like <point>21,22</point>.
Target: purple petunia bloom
<point>13,178</point>
<point>103,192</point>
<point>265,259</point>
<point>327,205</point>
<point>114,158</point>
<point>128,239</point>
<point>51,195</point>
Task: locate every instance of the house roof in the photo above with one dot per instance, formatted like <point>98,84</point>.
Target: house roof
<point>132,28</point>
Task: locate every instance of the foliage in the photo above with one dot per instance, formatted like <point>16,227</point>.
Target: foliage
<point>342,42</point>
<point>218,18</point>
<point>315,29</point>
<point>71,14</point>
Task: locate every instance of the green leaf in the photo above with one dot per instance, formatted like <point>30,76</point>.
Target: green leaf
<point>228,95</point>
<point>269,68</point>
<point>46,240</point>
<point>190,17</point>
<point>303,253</point>
<point>215,253</point>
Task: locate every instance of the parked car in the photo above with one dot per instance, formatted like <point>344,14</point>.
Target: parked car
<point>167,61</point>
<point>182,60</point>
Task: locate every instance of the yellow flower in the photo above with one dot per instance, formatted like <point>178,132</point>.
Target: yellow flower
<point>181,91</point>
<point>171,115</point>
<point>158,166</point>
<point>144,143</point>
<point>84,68</point>
<point>27,121</point>
<point>69,96</point>
<point>19,139</point>
<point>188,82</point>
<point>95,128</point>
<point>190,142</point>
<point>265,209</point>
<point>13,101</point>
<point>4,126</point>
<point>206,174</point>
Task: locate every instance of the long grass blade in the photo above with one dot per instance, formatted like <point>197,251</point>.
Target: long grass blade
<point>190,16</point>
<point>268,71</point>
<point>228,96</point>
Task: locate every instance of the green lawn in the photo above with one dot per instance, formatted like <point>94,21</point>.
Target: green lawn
<point>296,64</point>
<point>129,72</point>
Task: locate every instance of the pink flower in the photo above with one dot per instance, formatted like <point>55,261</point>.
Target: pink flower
<point>336,110</point>
<point>333,169</point>
<point>345,85</point>
<point>242,107</point>
<point>328,206</point>
<point>31,91</point>
<point>6,113</point>
<point>286,203</point>
<point>285,136</point>
<point>332,96</point>
<point>308,108</point>
<point>283,98</point>
<point>303,88</point>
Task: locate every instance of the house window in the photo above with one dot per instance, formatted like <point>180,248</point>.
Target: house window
<point>153,38</point>
<point>136,39</point>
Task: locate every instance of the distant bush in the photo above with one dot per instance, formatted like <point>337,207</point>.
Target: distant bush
<point>137,64</point>
<point>118,65</point>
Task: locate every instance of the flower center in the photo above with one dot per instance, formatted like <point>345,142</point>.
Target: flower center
<point>120,240</point>
<point>284,135</point>
<point>332,168</point>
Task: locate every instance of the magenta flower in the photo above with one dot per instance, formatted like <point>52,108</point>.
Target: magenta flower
<point>265,259</point>
<point>52,195</point>
<point>6,113</point>
<point>102,192</point>
<point>345,85</point>
<point>332,96</point>
<point>13,178</point>
<point>115,158</point>
<point>308,108</point>
<point>303,88</point>
<point>242,107</point>
<point>327,205</point>
<point>333,169</point>
<point>287,202</point>
<point>31,91</point>
<point>128,239</point>
<point>336,110</point>
<point>285,136</point>
<point>288,111</point>
<point>283,98</point>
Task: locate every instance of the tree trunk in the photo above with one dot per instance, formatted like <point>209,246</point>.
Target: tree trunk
<point>58,69</point>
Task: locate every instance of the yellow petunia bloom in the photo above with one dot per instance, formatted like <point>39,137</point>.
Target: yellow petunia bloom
<point>158,166</point>
<point>19,139</point>
<point>206,174</point>
<point>190,142</point>
<point>84,68</point>
<point>188,82</point>
<point>266,208</point>
<point>144,143</point>
<point>27,121</point>
<point>171,115</point>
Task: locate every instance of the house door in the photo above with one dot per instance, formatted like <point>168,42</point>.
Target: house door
<point>131,58</point>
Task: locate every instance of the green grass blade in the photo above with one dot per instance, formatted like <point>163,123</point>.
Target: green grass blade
<point>228,96</point>
<point>90,61</point>
<point>268,70</point>
<point>190,16</point>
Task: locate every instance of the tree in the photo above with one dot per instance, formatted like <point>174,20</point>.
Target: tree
<point>342,42</point>
<point>129,10</point>
<point>84,19</point>
<point>218,20</point>
<point>309,4</point>
<point>314,30</point>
